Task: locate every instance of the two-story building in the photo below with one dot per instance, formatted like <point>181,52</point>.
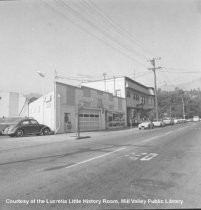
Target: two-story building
<point>139,98</point>
<point>66,105</point>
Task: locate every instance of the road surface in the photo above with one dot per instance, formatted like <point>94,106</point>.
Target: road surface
<point>127,169</point>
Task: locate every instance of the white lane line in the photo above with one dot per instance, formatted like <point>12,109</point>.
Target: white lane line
<point>169,132</point>
<point>155,137</point>
<point>85,161</point>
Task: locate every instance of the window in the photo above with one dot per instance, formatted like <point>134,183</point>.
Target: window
<point>34,122</point>
<point>99,103</point>
<point>143,100</point>
<point>25,122</point>
<point>137,98</point>
<point>128,94</point>
<point>66,117</point>
<point>118,93</point>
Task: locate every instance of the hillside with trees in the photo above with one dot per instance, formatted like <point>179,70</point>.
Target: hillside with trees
<point>170,103</point>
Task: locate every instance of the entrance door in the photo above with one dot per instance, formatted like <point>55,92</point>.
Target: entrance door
<point>67,123</point>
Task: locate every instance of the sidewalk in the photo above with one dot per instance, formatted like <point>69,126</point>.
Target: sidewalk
<point>100,133</point>
<point>8,143</point>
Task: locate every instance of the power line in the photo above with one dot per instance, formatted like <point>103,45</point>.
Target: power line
<point>107,20</point>
<point>89,32</point>
<point>183,72</point>
<point>92,24</point>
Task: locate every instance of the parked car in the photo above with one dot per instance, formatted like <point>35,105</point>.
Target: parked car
<point>176,121</point>
<point>158,123</point>
<point>146,125</point>
<point>26,126</point>
<point>168,121</point>
<point>196,118</point>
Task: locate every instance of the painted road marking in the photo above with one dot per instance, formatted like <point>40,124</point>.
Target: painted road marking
<point>149,156</point>
<point>155,137</point>
<point>141,156</point>
<point>85,161</point>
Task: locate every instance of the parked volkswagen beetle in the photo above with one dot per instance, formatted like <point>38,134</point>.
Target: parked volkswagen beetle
<point>26,126</point>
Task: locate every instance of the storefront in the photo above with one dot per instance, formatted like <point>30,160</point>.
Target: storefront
<point>72,108</point>
<point>115,119</point>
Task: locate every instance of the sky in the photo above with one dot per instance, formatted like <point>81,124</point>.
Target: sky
<point>82,39</point>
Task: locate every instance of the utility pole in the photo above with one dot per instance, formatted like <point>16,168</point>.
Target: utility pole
<point>183,106</point>
<point>134,74</point>
<point>153,62</point>
<point>114,86</point>
<point>104,77</point>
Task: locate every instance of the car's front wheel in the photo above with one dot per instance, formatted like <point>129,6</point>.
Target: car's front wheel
<point>19,133</point>
<point>46,131</point>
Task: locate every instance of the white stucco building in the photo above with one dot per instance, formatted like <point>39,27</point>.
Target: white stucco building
<point>96,109</point>
<point>13,104</point>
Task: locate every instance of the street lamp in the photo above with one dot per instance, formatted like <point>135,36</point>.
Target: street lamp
<point>42,74</point>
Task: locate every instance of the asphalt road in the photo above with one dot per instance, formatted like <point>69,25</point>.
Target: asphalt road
<point>128,169</point>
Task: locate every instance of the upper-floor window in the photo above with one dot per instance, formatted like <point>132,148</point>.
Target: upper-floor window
<point>128,94</point>
<point>118,93</point>
<point>143,100</point>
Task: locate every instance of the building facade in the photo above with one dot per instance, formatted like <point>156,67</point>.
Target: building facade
<point>13,104</point>
<point>139,98</point>
<point>68,107</point>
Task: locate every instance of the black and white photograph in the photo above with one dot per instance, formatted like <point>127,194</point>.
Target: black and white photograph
<point>100,104</point>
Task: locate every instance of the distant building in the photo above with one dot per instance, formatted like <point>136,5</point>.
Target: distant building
<point>13,104</point>
<point>139,98</point>
<point>95,109</point>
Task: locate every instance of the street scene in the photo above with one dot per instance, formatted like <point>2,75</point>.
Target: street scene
<point>127,169</point>
<point>100,104</point>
